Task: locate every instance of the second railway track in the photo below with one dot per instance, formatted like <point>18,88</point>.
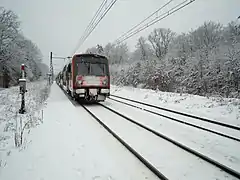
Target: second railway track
<point>230,126</point>
<point>98,113</point>
<point>218,130</point>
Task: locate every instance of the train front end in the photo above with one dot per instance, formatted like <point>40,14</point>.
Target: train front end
<point>92,78</point>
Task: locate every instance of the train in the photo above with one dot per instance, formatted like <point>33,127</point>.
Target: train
<point>86,77</point>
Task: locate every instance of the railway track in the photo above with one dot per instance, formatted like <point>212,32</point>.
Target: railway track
<point>158,134</point>
<point>230,126</point>
<point>178,120</point>
<point>133,151</point>
<point>182,146</point>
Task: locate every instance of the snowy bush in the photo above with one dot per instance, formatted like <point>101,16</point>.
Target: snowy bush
<point>205,61</point>
<point>14,126</point>
<point>15,49</point>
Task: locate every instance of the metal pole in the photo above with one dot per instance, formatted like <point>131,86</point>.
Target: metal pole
<point>51,73</point>
<point>23,104</point>
<point>51,67</point>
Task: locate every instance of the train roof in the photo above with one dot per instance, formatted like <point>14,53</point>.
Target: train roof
<point>85,55</point>
<point>90,55</point>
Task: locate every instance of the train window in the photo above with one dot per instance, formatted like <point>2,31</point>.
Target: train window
<point>98,69</point>
<point>83,68</point>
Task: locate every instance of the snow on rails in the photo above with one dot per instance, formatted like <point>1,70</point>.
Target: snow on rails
<point>118,131</point>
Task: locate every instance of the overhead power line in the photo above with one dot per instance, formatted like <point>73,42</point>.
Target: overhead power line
<point>105,12</point>
<point>95,15</point>
<point>92,27</point>
<point>155,20</point>
<point>91,23</point>
<point>155,12</point>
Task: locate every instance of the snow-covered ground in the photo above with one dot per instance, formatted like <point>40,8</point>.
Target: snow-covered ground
<point>170,160</point>
<point>70,144</point>
<point>216,108</point>
<point>218,148</point>
<point>65,142</point>
<point>11,121</point>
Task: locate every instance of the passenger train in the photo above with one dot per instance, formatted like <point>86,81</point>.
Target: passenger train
<point>86,77</point>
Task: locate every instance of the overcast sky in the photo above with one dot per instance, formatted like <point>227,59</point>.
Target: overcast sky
<point>57,25</point>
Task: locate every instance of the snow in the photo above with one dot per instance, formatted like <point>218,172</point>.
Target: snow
<point>10,119</point>
<point>172,161</point>
<point>219,148</point>
<point>215,108</point>
<point>65,142</point>
<point>209,144</point>
<point>220,129</point>
<point>70,144</point>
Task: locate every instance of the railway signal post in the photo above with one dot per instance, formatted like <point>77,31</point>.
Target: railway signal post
<point>51,73</point>
<point>51,66</point>
<point>22,84</point>
<point>49,78</point>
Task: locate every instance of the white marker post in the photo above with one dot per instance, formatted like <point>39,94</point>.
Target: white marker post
<point>22,84</point>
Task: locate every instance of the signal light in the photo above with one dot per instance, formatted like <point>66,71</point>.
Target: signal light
<point>22,67</point>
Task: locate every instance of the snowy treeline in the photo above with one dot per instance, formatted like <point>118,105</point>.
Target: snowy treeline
<point>15,49</point>
<point>204,61</point>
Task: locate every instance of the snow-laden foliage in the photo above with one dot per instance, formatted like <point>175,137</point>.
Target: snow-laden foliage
<point>117,54</point>
<point>204,61</point>
<point>15,50</point>
<point>15,126</point>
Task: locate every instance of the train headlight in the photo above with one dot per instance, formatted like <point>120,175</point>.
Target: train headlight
<point>79,82</point>
<point>105,82</point>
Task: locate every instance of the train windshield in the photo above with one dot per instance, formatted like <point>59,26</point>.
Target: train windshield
<point>92,66</point>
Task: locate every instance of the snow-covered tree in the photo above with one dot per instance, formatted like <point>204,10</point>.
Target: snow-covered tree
<point>92,50</point>
<point>9,28</point>
<point>15,49</point>
<point>160,39</point>
<point>203,61</point>
<point>143,50</point>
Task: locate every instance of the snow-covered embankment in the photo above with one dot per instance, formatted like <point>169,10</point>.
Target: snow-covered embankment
<point>14,127</point>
